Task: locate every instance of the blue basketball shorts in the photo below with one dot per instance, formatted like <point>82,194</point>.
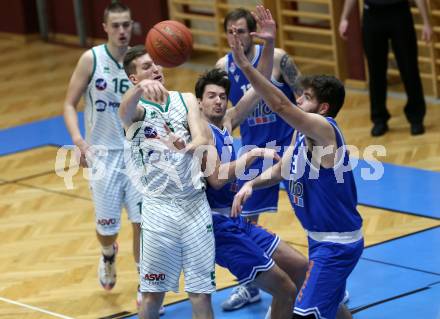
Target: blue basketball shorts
<point>330,264</point>
<point>242,247</point>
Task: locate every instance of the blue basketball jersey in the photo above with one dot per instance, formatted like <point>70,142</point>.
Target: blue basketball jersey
<point>222,198</point>
<point>324,199</point>
<point>262,125</point>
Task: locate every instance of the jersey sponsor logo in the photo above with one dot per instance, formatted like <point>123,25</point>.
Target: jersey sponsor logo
<point>296,190</point>
<point>100,84</point>
<point>106,222</point>
<point>209,228</point>
<point>154,279</point>
<point>106,69</point>
<point>261,115</point>
<point>150,132</point>
<point>114,105</point>
<point>100,105</point>
<point>236,78</point>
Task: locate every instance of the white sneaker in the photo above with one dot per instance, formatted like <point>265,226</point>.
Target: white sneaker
<point>107,270</point>
<point>241,296</point>
<point>139,302</point>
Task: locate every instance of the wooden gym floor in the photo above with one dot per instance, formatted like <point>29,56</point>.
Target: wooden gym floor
<point>48,250</point>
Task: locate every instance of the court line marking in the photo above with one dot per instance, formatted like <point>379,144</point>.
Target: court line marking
<point>35,308</point>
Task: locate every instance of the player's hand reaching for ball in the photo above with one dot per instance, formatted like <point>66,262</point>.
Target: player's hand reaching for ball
<point>266,24</point>
<point>154,91</point>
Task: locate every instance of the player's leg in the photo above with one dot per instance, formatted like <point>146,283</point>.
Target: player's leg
<point>198,254</point>
<point>291,261</point>
<point>262,201</point>
<point>245,249</point>
<point>133,204</point>
<point>201,306</point>
<point>324,287</point>
<point>152,301</point>
<point>276,282</point>
<point>343,312</point>
<point>160,257</point>
<point>107,193</point>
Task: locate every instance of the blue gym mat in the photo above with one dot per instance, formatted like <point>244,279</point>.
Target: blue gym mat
<point>400,271</point>
<point>414,252</point>
<point>422,304</point>
<point>51,131</point>
<point>401,188</point>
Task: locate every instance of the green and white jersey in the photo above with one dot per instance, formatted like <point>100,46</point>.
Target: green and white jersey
<point>164,173</point>
<point>106,86</point>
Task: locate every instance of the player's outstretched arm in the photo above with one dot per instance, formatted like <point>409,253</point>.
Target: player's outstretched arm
<point>288,68</point>
<point>77,86</point>
<point>314,126</point>
<point>227,172</point>
<point>269,177</point>
<point>198,126</point>
<point>129,110</point>
<point>267,32</point>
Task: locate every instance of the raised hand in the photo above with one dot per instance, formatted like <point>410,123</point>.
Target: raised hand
<point>266,24</point>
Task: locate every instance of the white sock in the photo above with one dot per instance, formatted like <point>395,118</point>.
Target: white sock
<point>108,250</point>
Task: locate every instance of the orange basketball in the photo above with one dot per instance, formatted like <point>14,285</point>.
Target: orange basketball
<point>169,43</point>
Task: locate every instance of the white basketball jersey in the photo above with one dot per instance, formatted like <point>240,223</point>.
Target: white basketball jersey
<point>164,173</point>
<point>106,86</point>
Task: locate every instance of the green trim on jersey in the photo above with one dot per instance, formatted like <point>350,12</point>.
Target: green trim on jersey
<point>145,114</point>
<point>167,105</point>
<point>183,101</point>
<point>94,66</point>
<point>142,156</point>
<point>111,57</point>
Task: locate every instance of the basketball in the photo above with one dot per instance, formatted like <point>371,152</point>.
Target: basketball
<point>169,43</point>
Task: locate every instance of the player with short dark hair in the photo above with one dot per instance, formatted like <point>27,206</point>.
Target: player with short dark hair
<point>321,188</point>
